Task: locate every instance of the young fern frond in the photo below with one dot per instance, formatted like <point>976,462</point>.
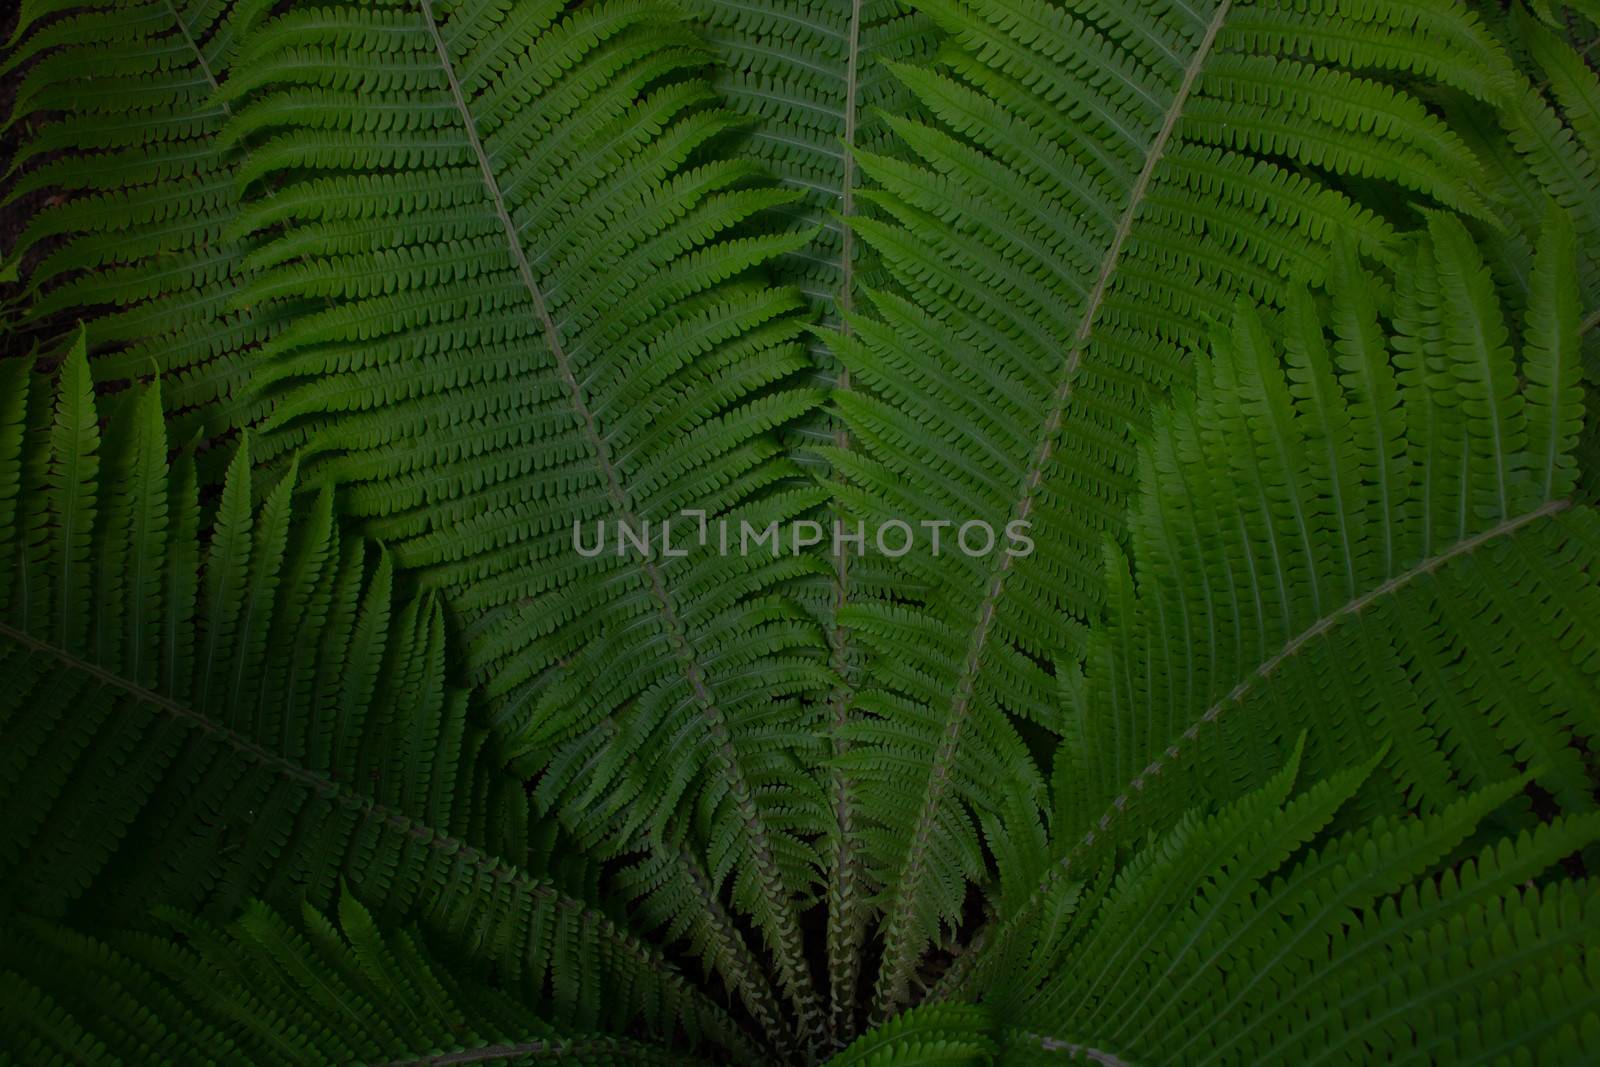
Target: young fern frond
<point>1359,525</point>
<point>142,191</point>
<point>261,705</point>
<point>1095,184</point>
<point>269,989</point>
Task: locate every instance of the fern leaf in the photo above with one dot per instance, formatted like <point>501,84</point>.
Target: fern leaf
<point>1540,141</point>
<point>1090,187</point>
<point>1347,952</point>
<point>1267,737</point>
<point>147,509</point>
<point>142,189</point>
<point>1464,650</point>
<point>1553,363</point>
<point>74,470</point>
<point>812,80</point>
<point>245,795</point>
<point>549,318</point>
<point>936,1034</point>
<point>268,989</point>
<point>812,83</point>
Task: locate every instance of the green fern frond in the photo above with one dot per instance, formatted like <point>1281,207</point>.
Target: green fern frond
<point>540,313</point>
<point>1549,138</point>
<point>269,989</point>
<point>1542,144</point>
<point>1262,731</point>
<point>957,1035</point>
<point>119,118</point>
<point>811,79</point>
<point>672,893</point>
<point>1093,186</point>
<point>261,706</point>
<point>1361,529</point>
<point>1255,937</point>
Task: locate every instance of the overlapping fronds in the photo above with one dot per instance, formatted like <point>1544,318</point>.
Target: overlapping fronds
<point>1542,142</point>
<point>1257,725</point>
<point>120,122</point>
<point>541,317</point>
<point>1366,529</point>
<point>1096,182</point>
<point>1359,525</point>
<point>268,989</point>
<point>198,720</point>
<point>812,80</point>
<point>953,1035</point>
<point>1256,936</point>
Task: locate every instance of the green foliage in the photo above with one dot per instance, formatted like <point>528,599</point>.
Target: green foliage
<point>1361,529</point>
<point>1092,188</point>
<point>1270,318</point>
<point>957,1035</point>
<point>1255,936</point>
<point>538,314</point>
<point>144,192</point>
<point>263,706</point>
<point>1541,142</point>
<point>267,989</point>
<point>813,81</point>
<point>1375,516</point>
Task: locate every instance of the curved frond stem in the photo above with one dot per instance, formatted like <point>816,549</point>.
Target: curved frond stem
<point>199,56</point>
<point>846,926</point>
<point>1322,625</point>
<point>847,198</point>
<point>738,963</point>
<point>787,949</point>
<point>900,947</point>
<point>490,866</point>
<point>953,980</point>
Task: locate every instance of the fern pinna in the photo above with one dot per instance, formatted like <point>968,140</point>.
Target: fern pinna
<point>337,329</point>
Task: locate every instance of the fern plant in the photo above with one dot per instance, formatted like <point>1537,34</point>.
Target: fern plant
<point>342,330</point>
<point>1084,199</point>
<point>143,198</point>
<point>263,706</point>
<point>1404,567</point>
<point>241,993</point>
